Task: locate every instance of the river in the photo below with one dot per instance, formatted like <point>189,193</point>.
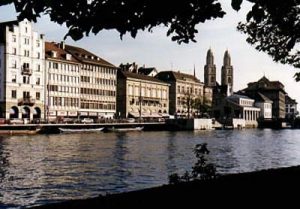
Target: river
<point>42,169</point>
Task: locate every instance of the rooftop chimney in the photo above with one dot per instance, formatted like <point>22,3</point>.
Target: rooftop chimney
<point>62,45</point>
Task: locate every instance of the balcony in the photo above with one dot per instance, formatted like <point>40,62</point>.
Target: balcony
<point>26,101</point>
<point>26,71</point>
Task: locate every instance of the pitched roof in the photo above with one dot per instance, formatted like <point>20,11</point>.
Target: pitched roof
<point>259,97</point>
<point>238,96</point>
<point>175,76</point>
<point>87,57</point>
<point>127,74</point>
<point>61,53</point>
<point>13,22</point>
<point>265,84</point>
<point>289,100</point>
<point>146,71</point>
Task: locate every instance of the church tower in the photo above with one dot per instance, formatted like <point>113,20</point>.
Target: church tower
<point>210,70</point>
<point>227,73</point>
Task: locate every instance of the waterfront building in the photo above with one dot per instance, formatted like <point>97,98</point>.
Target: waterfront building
<point>186,93</point>
<point>21,71</point>
<point>98,79</point>
<point>265,105</point>
<point>238,107</point>
<point>62,83</point>
<point>290,107</point>
<point>274,90</point>
<point>141,96</point>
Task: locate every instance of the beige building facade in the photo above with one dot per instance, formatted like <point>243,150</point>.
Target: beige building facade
<point>141,96</point>
<point>186,93</point>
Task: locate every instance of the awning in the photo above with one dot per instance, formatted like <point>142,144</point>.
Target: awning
<point>146,115</point>
<point>134,114</point>
<point>155,115</point>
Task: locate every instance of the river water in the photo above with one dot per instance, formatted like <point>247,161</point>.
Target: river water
<point>42,169</point>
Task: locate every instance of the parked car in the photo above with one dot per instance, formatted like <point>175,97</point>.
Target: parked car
<point>87,120</point>
<point>68,120</point>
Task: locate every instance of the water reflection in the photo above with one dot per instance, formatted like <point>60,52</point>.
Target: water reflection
<point>42,169</point>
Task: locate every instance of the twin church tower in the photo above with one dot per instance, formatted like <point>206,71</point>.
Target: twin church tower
<point>226,72</point>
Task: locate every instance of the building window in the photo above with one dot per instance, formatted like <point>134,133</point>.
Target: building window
<point>38,43</point>
<point>14,94</point>
<point>26,53</point>
<point>55,65</point>
<point>14,51</point>
<point>14,64</point>
<point>14,78</point>
<point>26,41</point>
<point>38,95</point>
<point>38,81</point>
<point>39,55</point>
<point>38,68</point>
<point>26,94</point>
<point>26,80</point>
<point>14,38</point>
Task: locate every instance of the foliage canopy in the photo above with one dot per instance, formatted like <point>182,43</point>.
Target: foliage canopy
<point>272,26</point>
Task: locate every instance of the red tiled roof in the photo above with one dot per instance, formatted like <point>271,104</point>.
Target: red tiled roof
<point>87,57</point>
<point>60,53</point>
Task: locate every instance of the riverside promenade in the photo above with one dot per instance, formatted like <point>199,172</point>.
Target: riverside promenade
<point>54,128</point>
<point>273,187</point>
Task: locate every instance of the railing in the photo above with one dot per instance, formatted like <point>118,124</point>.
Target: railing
<point>26,71</point>
<point>26,101</point>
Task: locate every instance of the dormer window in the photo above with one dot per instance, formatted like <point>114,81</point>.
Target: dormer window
<point>68,56</point>
<point>53,54</point>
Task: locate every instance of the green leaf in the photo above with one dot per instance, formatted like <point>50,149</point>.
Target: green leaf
<point>236,4</point>
<point>297,76</point>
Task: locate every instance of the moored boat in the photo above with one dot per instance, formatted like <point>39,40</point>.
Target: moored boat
<point>80,130</point>
<point>19,131</point>
<point>113,129</point>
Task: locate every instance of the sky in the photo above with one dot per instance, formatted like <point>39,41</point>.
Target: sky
<point>157,50</point>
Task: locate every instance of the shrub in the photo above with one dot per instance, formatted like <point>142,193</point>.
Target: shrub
<point>201,169</point>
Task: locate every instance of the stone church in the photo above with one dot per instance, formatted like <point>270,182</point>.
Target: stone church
<point>223,90</point>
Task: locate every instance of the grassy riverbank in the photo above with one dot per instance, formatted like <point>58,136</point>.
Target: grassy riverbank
<point>271,187</point>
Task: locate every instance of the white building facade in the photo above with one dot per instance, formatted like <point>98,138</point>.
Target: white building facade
<point>98,80</point>
<point>21,71</point>
<point>62,82</point>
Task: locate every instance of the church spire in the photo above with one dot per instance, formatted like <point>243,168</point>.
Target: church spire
<point>210,70</point>
<point>227,73</point>
<point>209,57</point>
<point>227,59</point>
